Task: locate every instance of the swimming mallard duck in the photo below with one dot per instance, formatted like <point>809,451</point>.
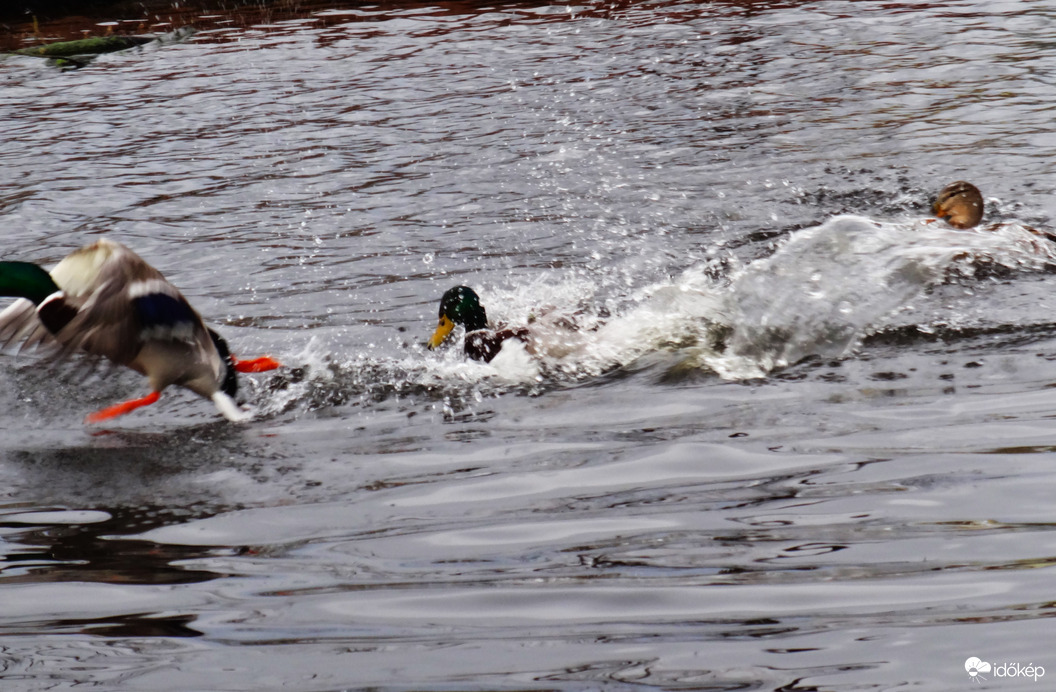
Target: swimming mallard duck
<point>960,204</point>
<point>106,301</point>
<point>461,305</point>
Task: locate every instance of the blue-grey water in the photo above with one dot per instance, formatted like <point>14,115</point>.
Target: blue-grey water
<point>801,439</point>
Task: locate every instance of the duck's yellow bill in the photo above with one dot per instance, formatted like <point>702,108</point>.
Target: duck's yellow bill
<point>442,330</point>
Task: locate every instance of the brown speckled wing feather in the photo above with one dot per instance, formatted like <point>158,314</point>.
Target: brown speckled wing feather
<point>19,325</point>
<point>108,322</point>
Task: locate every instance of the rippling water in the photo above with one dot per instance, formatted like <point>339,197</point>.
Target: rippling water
<point>801,440</point>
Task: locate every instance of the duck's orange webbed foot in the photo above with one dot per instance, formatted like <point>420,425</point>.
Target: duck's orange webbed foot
<point>262,364</point>
<point>122,408</point>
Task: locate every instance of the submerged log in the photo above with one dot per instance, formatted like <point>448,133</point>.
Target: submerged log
<point>85,46</point>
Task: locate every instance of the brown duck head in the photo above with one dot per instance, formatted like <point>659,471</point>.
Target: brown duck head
<point>960,204</point>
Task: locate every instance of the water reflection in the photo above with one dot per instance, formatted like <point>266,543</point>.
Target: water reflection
<point>60,546</point>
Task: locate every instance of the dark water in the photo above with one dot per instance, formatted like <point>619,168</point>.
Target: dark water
<point>670,497</point>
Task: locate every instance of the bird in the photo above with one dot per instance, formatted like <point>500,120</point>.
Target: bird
<point>960,204</point>
<point>461,305</point>
<point>106,301</point>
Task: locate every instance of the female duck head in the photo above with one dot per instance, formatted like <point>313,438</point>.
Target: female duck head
<point>459,305</point>
<point>960,204</point>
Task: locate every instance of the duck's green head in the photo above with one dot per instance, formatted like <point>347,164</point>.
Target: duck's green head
<point>960,204</point>
<point>25,280</point>
<point>460,305</point>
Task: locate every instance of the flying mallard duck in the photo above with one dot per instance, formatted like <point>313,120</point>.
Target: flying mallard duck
<point>106,301</point>
<point>461,305</point>
<point>960,204</point>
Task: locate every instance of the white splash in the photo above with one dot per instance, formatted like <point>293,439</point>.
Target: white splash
<point>820,293</point>
<point>828,286</point>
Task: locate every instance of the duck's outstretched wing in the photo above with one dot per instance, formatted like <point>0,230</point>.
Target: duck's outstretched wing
<point>19,324</point>
<point>118,319</point>
<point>124,305</point>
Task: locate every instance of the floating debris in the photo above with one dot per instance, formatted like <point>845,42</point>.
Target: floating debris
<point>86,46</point>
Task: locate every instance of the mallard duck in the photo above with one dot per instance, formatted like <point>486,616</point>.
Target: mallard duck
<point>461,305</point>
<point>960,204</point>
<point>106,301</point>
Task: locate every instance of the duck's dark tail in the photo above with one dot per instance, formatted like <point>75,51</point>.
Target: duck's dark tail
<point>229,385</point>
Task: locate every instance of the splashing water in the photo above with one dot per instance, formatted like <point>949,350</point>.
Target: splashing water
<point>830,285</point>
<point>819,294</point>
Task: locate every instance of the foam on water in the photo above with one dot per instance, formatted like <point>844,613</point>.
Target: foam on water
<point>828,286</point>
<point>818,294</point>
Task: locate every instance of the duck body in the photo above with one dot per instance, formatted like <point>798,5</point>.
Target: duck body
<point>104,300</point>
<point>461,305</point>
<point>485,344</point>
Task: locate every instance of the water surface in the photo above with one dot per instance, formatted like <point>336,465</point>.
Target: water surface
<point>801,440</point>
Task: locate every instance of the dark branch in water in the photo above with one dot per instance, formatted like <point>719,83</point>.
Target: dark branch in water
<point>61,62</point>
<point>85,46</point>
